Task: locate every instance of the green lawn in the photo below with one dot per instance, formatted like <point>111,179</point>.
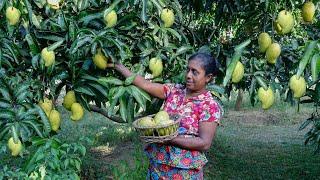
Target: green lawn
<point>251,144</point>
<point>248,151</point>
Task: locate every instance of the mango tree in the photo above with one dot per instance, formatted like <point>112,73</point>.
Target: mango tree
<point>51,48</point>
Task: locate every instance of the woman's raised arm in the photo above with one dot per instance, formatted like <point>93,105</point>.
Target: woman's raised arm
<point>155,89</point>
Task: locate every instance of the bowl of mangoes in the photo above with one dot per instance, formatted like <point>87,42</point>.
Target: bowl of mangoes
<point>157,128</point>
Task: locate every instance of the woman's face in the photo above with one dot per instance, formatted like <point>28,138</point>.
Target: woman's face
<point>196,78</point>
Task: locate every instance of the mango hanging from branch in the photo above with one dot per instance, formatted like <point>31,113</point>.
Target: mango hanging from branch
<point>110,18</point>
<point>100,60</point>
<point>308,11</point>
<point>284,22</point>
<point>48,57</point>
<point>266,97</point>
<point>13,15</point>
<point>237,73</point>
<point>155,66</point>
<point>15,147</point>
<point>77,112</point>
<point>298,86</point>
<point>167,16</point>
<point>55,120</point>
<point>273,52</point>
<point>69,99</point>
<point>264,41</point>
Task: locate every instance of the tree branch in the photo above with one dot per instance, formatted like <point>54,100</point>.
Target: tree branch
<point>105,113</point>
<point>112,118</point>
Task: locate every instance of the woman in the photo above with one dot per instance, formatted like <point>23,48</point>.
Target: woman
<point>183,157</point>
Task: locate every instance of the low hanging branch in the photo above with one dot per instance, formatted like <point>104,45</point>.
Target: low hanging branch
<point>112,118</point>
<point>105,113</point>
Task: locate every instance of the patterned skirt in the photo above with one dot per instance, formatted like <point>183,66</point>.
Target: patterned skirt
<point>158,171</point>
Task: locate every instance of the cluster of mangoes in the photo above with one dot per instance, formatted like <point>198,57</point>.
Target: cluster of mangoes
<point>159,125</point>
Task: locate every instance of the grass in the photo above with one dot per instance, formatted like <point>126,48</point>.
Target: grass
<point>249,151</point>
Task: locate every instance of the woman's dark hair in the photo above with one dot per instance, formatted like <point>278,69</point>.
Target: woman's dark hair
<point>209,64</point>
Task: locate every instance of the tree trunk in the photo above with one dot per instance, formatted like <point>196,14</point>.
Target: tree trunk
<point>239,100</point>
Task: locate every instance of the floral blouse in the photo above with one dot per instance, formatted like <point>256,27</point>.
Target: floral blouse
<point>201,108</point>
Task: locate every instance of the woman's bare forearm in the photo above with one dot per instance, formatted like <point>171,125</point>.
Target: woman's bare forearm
<point>154,89</point>
<point>202,142</point>
<point>191,143</point>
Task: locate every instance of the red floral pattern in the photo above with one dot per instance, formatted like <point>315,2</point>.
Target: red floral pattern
<point>201,108</point>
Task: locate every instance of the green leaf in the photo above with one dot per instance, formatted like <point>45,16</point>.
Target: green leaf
<point>305,124</point>
<point>235,58</point>
<point>315,66</point>
<point>22,88</point>
<point>55,45</point>
<point>174,33</point>
<point>146,52</point>
<point>306,56</point>
<point>44,119</point>
<point>241,46</point>
<point>84,102</point>
<point>48,36</point>
<point>111,7</point>
<point>252,91</point>
<point>5,93</point>
<point>183,49</point>
<point>32,45</point>
<point>158,5</point>
<point>77,164</point>
<point>144,16</point>
<point>35,21</point>
<point>129,80</point>
<point>94,48</point>
<point>141,92</point>
<point>14,133</point>
<point>2,3</point>
<point>216,88</point>
<point>123,108</point>
<point>34,127</point>
<point>130,109</point>
<point>80,43</point>
<point>85,90</point>
<point>35,61</point>
<point>86,19</point>
<point>72,31</point>
<point>110,80</point>
<point>83,4</point>
<point>29,165</point>
<point>131,90</point>
<point>88,77</point>
<point>7,114</point>
<point>25,133</point>
<point>120,91</point>
<point>113,103</point>
<point>99,88</point>
<point>29,114</point>
<point>4,131</point>
<point>29,7</point>
<point>22,97</point>
<point>4,104</point>
<point>261,82</point>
